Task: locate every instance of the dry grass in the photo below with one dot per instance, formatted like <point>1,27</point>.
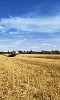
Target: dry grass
<point>30,77</point>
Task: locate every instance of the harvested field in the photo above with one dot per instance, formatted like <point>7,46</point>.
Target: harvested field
<point>30,77</point>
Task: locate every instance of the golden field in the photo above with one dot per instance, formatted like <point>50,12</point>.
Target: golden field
<point>30,77</point>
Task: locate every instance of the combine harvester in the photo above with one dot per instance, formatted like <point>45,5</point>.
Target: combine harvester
<point>13,53</point>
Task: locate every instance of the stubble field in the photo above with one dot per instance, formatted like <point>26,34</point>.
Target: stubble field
<point>30,77</point>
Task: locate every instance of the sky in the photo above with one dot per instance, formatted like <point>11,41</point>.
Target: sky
<point>29,25</point>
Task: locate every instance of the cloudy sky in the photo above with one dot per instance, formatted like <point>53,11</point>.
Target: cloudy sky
<point>29,25</point>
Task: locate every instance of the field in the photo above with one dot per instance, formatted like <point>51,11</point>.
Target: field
<point>30,77</point>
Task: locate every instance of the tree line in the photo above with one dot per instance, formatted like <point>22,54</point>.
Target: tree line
<point>40,52</point>
<point>33,52</point>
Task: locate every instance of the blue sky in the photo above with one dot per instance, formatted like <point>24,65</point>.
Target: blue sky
<point>29,25</point>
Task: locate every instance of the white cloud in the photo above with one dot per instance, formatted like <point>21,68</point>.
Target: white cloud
<point>19,42</point>
<point>13,33</point>
<point>6,45</point>
<point>36,24</point>
<point>15,26</point>
<point>45,44</point>
<point>55,46</point>
<point>34,47</point>
<point>1,27</point>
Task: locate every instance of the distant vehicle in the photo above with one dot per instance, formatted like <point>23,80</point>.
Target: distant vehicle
<point>13,53</point>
